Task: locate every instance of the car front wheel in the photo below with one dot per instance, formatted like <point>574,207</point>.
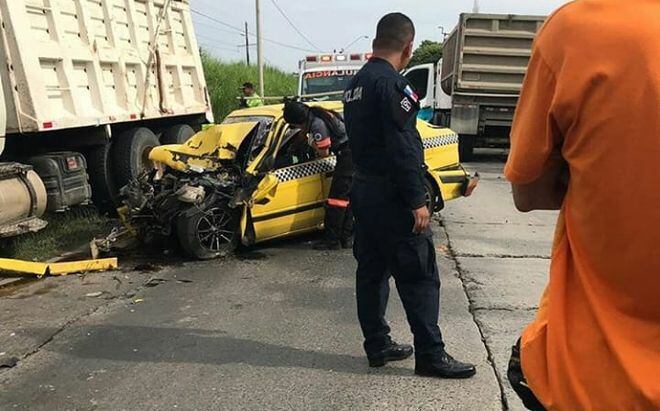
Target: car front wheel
<point>209,233</point>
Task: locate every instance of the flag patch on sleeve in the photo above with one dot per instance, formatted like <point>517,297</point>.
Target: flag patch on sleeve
<point>411,93</point>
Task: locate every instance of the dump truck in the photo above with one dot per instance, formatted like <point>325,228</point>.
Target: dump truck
<point>110,79</point>
<point>484,63</point>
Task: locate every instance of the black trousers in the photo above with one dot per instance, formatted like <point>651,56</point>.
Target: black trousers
<point>385,245</point>
<point>338,212</point>
<point>519,383</point>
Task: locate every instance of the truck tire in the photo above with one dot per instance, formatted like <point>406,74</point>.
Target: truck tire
<point>104,189</point>
<point>130,154</point>
<point>177,134</point>
<point>466,147</point>
<point>209,233</point>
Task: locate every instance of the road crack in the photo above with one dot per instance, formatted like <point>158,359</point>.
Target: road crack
<point>502,256</point>
<point>473,309</point>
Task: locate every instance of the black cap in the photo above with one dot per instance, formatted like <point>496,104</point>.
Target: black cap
<point>247,84</point>
<point>296,112</point>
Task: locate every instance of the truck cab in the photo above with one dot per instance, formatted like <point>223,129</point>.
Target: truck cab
<point>325,77</point>
<point>435,104</point>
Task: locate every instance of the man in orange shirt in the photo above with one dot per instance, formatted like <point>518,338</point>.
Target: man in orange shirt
<point>586,140</point>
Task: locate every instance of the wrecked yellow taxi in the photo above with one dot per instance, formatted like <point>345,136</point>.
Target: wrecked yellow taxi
<point>253,178</point>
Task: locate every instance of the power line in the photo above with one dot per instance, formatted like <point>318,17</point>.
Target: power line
<point>219,48</point>
<point>294,26</point>
<point>199,13</point>
<point>214,40</point>
<point>213,27</point>
<point>240,32</point>
<point>288,46</point>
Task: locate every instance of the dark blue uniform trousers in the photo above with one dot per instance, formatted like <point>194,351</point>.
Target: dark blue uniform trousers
<point>386,246</point>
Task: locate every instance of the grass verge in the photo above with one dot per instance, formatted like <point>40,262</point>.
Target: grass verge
<point>65,231</point>
<point>224,79</point>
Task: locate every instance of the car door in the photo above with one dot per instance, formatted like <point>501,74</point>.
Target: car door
<point>291,199</point>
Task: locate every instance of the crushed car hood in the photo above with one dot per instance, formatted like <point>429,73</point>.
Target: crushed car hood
<point>204,149</point>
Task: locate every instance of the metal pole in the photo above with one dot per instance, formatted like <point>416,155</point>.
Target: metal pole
<point>247,45</point>
<point>475,8</point>
<point>260,51</point>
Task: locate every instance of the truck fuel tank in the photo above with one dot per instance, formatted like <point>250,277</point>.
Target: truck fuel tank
<point>22,200</point>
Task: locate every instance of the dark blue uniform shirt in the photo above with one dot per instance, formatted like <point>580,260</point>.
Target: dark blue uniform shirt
<point>380,111</point>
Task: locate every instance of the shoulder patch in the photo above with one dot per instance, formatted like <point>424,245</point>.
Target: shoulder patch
<point>408,91</point>
<point>406,104</point>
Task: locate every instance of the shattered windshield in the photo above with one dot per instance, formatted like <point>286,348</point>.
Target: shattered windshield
<point>265,125</point>
<point>259,140</point>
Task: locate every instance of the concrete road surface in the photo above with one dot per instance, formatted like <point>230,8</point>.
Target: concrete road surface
<point>276,328</point>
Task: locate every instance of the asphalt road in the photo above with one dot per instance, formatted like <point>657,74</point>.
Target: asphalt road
<point>275,329</point>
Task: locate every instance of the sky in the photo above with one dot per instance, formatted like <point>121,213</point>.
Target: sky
<point>329,25</point>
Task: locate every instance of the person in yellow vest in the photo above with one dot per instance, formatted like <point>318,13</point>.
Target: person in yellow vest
<point>250,96</point>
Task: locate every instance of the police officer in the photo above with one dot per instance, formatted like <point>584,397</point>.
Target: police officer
<point>392,234</point>
<point>327,134</point>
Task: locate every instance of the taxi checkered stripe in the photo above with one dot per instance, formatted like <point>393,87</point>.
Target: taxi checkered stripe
<point>440,141</point>
<point>325,165</point>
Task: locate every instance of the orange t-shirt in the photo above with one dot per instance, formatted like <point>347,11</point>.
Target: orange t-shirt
<point>593,91</point>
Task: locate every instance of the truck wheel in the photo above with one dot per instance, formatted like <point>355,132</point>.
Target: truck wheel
<point>104,189</point>
<point>466,147</point>
<point>208,234</point>
<point>130,154</point>
<point>177,134</point>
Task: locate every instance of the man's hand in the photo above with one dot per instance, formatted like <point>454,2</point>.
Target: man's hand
<point>548,191</point>
<point>422,219</point>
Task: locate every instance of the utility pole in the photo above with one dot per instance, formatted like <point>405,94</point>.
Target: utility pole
<point>247,45</point>
<point>475,8</point>
<point>260,50</point>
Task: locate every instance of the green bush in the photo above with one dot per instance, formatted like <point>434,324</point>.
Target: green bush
<point>225,79</point>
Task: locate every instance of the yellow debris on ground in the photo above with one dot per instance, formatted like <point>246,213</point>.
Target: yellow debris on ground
<point>62,268</point>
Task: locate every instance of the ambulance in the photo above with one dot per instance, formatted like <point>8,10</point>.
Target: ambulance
<point>325,77</point>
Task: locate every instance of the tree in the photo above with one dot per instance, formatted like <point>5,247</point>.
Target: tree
<point>427,52</point>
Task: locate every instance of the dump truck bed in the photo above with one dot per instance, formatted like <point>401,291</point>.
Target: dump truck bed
<point>80,63</point>
<point>488,53</point>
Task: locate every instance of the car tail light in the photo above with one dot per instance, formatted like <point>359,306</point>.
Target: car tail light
<point>356,57</point>
<point>326,58</point>
<point>340,57</point>
<point>48,124</point>
<point>312,59</point>
<point>368,56</point>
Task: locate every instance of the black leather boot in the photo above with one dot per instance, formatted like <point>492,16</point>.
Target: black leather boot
<point>393,352</point>
<point>444,367</point>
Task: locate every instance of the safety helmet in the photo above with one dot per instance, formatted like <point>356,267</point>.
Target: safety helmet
<point>296,112</point>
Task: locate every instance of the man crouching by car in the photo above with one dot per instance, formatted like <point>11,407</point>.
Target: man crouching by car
<point>327,134</point>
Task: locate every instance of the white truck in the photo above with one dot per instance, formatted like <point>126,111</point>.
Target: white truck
<point>107,78</point>
<point>326,76</point>
<point>484,63</point>
<point>435,104</point>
